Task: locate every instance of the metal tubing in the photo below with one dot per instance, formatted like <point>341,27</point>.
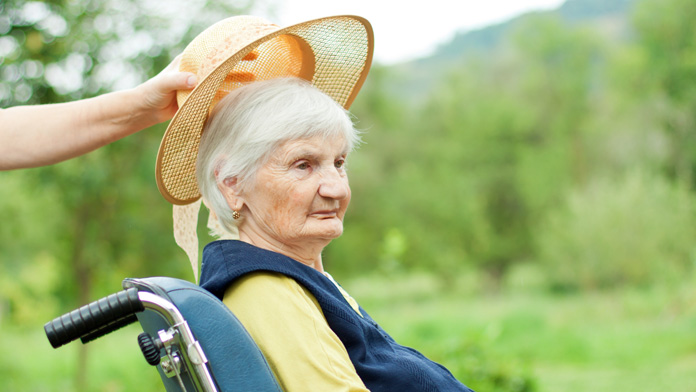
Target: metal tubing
<point>194,354</point>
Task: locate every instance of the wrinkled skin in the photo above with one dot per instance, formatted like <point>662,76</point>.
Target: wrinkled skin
<point>296,203</point>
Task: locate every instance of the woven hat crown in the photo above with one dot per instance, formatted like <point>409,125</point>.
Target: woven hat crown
<point>224,39</point>
<point>333,53</point>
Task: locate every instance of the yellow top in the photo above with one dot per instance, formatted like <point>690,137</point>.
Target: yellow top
<point>291,331</point>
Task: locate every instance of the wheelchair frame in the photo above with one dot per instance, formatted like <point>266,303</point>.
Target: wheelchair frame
<point>194,340</point>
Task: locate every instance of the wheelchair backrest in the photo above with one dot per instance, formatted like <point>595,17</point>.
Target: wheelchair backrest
<point>233,359</point>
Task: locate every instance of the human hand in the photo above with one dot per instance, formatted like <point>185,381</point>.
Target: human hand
<point>158,94</point>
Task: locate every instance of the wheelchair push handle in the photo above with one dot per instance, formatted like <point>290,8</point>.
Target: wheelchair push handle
<point>95,319</point>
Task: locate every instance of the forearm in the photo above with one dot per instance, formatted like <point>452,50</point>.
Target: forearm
<point>45,134</point>
<point>39,135</point>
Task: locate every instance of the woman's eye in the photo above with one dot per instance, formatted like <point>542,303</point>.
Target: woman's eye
<point>340,163</point>
<point>302,166</point>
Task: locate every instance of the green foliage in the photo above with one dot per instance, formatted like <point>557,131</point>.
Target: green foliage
<point>473,364</point>
<point>467,175</point>
<point>115,363</point>
<point>603,341</point>
<point>88,222</point>
<point>563,154</point>
<point>666,35</point>
<point>419,312</point>
<point>666,32</point>
<point>480,159</point>
<point>60,50</point>
<point>636,230</point>
<point>588,9</point>
<point>29,275</point>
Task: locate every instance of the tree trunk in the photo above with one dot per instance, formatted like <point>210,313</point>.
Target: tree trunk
<point>83,279</point>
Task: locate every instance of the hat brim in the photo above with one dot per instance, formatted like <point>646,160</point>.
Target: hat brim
<point>341,55</point>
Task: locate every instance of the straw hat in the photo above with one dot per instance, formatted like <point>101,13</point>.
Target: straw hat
<point>333,53</point>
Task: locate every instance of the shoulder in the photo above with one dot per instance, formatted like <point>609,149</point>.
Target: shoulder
<point>288,325</point>
<point>266,280</point>
<point>262,284</point>
<point>270,294</point>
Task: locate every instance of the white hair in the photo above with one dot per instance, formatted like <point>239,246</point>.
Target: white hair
<point>249,123</point>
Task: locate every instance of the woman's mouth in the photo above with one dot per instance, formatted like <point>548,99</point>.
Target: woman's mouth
<point>325,214</point>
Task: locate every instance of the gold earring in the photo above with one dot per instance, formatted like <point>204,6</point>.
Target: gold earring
<point>236,215</point>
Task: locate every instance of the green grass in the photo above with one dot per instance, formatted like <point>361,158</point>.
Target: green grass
<point>114,363</point>
<point>608,341</point>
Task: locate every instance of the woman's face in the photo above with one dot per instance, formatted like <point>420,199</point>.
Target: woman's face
<point>301,194</point>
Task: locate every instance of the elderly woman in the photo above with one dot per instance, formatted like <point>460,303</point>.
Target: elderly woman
<point>270,163</point>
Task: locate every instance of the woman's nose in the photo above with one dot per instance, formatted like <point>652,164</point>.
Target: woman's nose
<point>334,186</point>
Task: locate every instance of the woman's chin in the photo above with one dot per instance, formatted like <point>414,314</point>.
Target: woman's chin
<point>328,229</point>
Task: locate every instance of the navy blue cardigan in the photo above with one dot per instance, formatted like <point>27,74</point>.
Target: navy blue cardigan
<point>381,363</point>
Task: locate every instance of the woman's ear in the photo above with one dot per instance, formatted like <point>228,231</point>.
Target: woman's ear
<point>229,187</point>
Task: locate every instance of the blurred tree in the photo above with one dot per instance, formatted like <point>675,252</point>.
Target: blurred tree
<point>113,222</point>
<point>382,117</point>
<point>666,32</point>
<point>474,134</point>
<point>506,133</point>
<point>468,174</point>
<point>635,230</point>
<point>63,50</point>
<point>560,73</point>
<point>463,177</point>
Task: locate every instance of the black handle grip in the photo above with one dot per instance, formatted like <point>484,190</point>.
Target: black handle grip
<point>99,316</point>
<point>107,329</point>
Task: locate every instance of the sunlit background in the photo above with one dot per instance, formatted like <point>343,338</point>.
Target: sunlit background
<point>523,206</point>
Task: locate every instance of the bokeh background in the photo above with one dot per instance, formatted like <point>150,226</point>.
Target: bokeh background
<point>523,205</point>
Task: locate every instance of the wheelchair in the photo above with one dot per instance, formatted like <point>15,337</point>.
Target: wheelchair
<point>193,339</point>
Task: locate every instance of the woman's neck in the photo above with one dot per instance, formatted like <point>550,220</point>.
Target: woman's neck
<point>307,253</point>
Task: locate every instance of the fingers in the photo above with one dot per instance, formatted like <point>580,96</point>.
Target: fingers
<point>159,93</point>
<point>179,81</point>
<point>167,83</point>
<point>171,78</point>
